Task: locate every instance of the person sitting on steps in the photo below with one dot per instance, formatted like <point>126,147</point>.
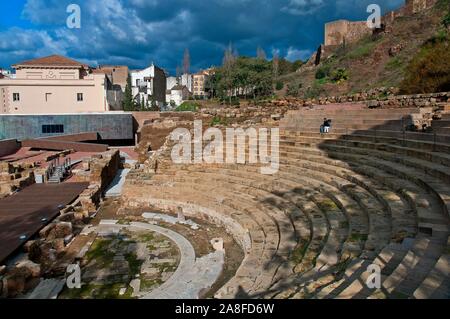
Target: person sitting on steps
<point>322,127</point>
<point>326,125</point>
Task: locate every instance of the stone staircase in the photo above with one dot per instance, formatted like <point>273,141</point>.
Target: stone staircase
<point>58,175</point>
<point>339,203</point>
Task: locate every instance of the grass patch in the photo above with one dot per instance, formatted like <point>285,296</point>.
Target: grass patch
<point>146,237</point>
<point>364,49</point>
<point>100,252</point>
<point>217,120</point>
<point>188,106</point>
<point>90,291</point>
<point>134,264</point>
<point>299,252</point>
<point>149,284</point>
<point>327,205</point>
<point>355,237</point>
<point>394,63</point>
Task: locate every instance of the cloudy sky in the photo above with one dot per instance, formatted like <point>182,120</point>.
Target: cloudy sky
<point>138,32</point>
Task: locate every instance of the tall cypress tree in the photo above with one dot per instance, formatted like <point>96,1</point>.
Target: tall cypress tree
<point>128,104</point>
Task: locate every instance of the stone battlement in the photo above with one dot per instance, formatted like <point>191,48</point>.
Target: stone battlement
<point>344,31</point>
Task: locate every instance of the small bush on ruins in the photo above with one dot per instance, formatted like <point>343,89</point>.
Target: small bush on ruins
<point>315,91</point>
<point>188,107</point>
<point>293,89</point>
<point>217,120</point>
<point>429,70</point>
<point>339,75</point>
<point>279,86</point>
<point>323,72</point>
<point>446,20</point>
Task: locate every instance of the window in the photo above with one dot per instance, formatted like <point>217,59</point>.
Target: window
<point>52,129</point>
<point>47,96</point>
<point>80,97</point>
<point>16,97</point>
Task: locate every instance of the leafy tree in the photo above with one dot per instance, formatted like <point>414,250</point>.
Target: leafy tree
<point>243,76</point>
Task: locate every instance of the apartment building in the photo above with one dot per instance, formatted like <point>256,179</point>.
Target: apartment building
<point>53,85</point>
<point>149,85</point>
<point>199,87</point>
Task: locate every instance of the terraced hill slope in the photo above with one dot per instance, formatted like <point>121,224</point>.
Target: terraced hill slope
<point>382,60</point>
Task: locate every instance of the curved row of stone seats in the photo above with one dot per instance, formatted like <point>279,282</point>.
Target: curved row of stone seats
<point>338,204</point>
<point>226,176</point>
<point>345,122</point>
<point>276,226</point>
<point>321,227</point>
<point>444,227</point>
<point>417,260</point>
<point>311,120</point>
<point>435,164</point>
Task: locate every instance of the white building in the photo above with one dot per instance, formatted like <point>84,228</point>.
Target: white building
<point>6,74</point>
<point>177,95</point>
<point>187,80</point>
<point>171,82</point>
<point>149,84</point>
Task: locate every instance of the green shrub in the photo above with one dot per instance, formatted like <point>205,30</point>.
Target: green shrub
<point>279,85</point>
<point>314,92</point>
<point>446,20</point>
<point>217,120</point>
<point>187,107</point>
<point>339,75</point>
<point>293,89</point>
<point>323,72</point>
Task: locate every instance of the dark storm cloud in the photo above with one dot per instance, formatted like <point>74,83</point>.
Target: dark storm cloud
<point>138,32</point>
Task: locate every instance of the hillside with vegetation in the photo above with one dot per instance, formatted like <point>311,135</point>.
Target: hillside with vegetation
<point>411,55</point>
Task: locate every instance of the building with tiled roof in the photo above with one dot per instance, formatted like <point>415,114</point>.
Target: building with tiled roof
<point>53,85</point>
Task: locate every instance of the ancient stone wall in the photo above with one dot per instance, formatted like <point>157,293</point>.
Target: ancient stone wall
<point>344,31</point>
<point>373,99</point>
<point>15,177</point>
<point>416,6</point>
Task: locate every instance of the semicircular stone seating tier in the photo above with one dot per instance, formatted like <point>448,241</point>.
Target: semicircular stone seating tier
<point>339,204</point>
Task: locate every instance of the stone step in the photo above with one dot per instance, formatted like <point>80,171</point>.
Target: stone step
<point>319,224</point>
<point>437,283</point>
<point>410,175</point>
<point>376,150</point>
<point>413,140</point>
<point>256,174</point>
<point>411,271</point>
